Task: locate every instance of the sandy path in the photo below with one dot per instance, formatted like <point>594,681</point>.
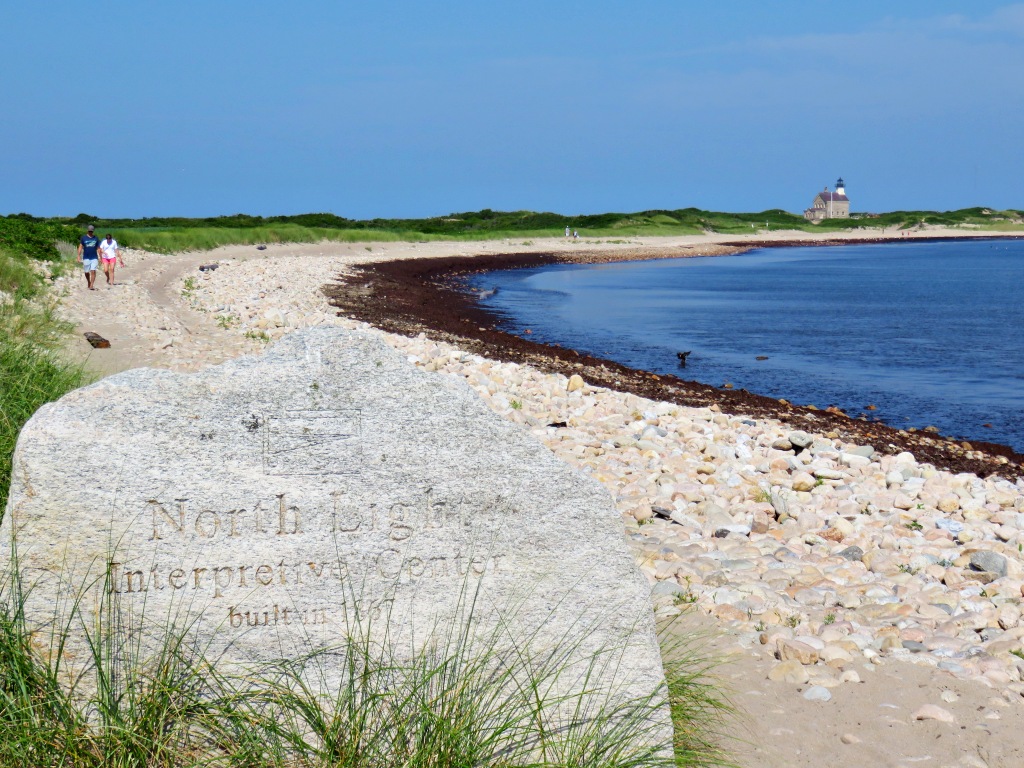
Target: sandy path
<point>141,312</point>
<point>871,723</point>
<point>145,310</point>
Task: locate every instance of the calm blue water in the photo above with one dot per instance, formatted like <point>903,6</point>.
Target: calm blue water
<point>930,333</point>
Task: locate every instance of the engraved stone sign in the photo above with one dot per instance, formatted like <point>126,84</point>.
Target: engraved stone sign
<point>269,502</point>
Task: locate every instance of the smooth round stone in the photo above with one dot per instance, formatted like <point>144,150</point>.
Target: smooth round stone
<point>802,481</point>
<point>934,712</point>
<point>862,450</point>
<point>878,561</point>
<point>666,589</point>
<point>829,474</point>
<point>998,677</point>
<point>800,439</point>
<point>818,693</point>
<point>894,478</point>
<point>836,655</point>
<point>814,642</point>
<point>1009,617</point>
<point>992,562</point>
<point>724,595</point>
<point>852,553</point>
<point>809,597</point>
<point>789,671</point>
<point>792,650</point>
<point>953,526</point>
<point>902,501</point>
<point>854,461</point>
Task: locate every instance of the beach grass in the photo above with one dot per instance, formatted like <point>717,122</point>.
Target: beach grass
<point>703,715</point>
<point>176,240</point>
<point>32,370</point>
<point>29,377</point>
<point>458,698</point>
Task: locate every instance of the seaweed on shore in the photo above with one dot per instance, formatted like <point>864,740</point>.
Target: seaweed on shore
<point>428,296</point>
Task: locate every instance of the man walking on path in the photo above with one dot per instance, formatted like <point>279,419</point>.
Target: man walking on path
<point>111,254</point>
<point>88,254</point>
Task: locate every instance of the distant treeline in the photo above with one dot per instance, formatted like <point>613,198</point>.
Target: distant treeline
<point>36,235</point>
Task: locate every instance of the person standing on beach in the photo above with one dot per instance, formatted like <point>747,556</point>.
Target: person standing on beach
<point>88,255</point>
<point>567,231</point>
<point>111,254</point>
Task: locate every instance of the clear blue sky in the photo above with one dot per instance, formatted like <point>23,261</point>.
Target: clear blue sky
<point>414,108</point>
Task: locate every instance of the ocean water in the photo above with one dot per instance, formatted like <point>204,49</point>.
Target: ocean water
<point>930,333</point>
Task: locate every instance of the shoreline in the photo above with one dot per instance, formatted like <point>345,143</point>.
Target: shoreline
<point>428,295</point>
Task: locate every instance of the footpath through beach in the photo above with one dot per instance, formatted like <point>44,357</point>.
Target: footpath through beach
<point>863,588</point>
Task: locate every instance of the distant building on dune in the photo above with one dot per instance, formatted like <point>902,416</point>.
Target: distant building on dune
<point>830,205</point>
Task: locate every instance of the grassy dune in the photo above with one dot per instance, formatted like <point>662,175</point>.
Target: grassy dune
<point>32,370</point>
<point>169,234</point>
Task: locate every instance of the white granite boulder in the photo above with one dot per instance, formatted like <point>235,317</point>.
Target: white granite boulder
<point>268,503</point>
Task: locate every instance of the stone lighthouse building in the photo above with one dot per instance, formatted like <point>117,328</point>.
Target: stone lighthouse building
<point>830,205</point>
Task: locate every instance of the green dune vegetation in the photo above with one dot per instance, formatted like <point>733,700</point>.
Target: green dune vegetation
<point>32,368</point>
<point>170,234</point>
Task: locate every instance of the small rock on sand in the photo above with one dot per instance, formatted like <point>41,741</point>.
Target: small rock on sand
<point>933,712</point>
<point>790,671</point>
<point>818,693</point>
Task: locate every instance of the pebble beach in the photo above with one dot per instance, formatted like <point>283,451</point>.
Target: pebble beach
<point>816,562</point>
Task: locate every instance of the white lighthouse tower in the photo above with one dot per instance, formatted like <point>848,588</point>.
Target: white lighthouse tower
<point>840,187</point>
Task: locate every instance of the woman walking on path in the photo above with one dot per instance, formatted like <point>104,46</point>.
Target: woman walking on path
<point>111,254</point>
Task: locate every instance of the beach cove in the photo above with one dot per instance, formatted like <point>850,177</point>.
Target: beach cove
<point>834,557</point>
<point>928,333</point>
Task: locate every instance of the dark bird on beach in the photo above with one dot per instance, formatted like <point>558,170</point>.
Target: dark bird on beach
<point>682,357</point>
